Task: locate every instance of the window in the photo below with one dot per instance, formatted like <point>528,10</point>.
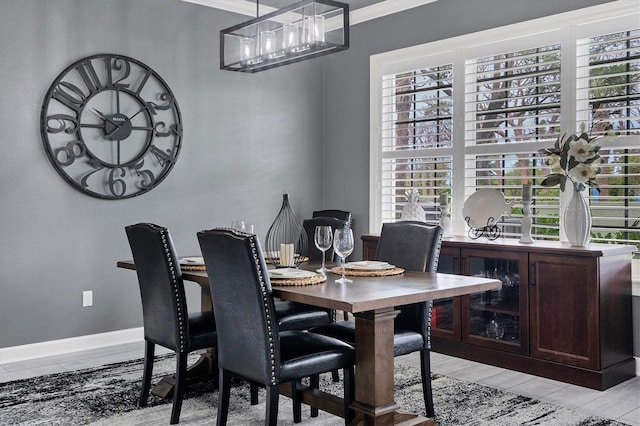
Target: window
<point>609,98</point>
<point>451,119</point>
<point>416,141</point>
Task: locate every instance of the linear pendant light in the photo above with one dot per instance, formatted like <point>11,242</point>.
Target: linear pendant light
<point>304,30</point>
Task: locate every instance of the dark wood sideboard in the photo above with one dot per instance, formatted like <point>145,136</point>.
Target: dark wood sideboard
<point>563,312</point>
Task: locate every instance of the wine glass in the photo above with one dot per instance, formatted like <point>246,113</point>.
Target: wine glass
<point>238,225</point>
<point>323,238</point>
<point>495,328</point>
<point>343,246</point>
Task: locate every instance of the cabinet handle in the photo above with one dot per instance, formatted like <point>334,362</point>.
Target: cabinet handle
<point>532,282</point>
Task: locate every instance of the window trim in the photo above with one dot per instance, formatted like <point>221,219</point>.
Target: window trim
<point>565,28</point>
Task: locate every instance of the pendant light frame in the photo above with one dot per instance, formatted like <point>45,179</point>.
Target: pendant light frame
<point>259,44</point>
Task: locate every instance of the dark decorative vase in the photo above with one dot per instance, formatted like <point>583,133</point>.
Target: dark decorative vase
<point>286,241</point>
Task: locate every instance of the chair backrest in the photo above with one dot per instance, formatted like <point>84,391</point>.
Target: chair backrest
<point>164,306</point>
<point>413,246</point>
<point>410,245</point>
<point>338,214</point>
<point>310,227</point>
<point>248,342</point>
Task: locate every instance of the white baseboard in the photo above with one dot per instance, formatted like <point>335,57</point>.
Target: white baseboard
<point>74,344</point>
<point>92,341</point>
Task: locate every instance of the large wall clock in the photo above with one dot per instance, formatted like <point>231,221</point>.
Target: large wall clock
<point>111,126</point>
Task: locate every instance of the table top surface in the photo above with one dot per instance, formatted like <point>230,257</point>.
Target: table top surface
<point>369,293</point>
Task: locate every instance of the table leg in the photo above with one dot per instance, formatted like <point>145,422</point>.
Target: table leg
<point>374,404</point>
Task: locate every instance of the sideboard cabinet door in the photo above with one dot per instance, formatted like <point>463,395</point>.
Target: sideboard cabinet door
<point>497,319</point>
<point>564,309</point>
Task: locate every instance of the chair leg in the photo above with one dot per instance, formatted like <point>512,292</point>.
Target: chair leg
<point>425,370</point>
<point>178,389</point>
<point>253,391</point>
<point>149,351</point>
<point>314,383</point>
<point>224,390</point>
<point>296,400</point>
<point>273,392</point>
<point>349,393</point>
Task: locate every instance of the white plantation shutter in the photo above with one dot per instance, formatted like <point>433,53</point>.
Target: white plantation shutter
<point>513,102</point>
<point>608,97</point>
<point>416,138</point>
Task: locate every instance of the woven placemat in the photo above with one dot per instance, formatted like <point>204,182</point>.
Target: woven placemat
<point>360,273</point>
<point>193,267</point>
<point>316,279</point>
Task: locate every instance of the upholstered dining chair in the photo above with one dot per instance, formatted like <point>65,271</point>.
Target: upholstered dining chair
<point>338,214</point>
<point>299,316</point>
<point>310,227</point>
<point>412,246</point>
<point>250,344</point>
<point>164,308</point>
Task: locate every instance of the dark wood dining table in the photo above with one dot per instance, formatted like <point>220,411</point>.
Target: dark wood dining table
<point>373,302</point>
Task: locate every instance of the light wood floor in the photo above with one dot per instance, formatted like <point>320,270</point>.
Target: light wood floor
<point>620,403</point>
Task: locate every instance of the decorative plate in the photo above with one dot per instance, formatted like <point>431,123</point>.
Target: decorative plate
<point>290,273</point>
<point>369,265</point>
<point>484,208</point>
<point>196,261</point>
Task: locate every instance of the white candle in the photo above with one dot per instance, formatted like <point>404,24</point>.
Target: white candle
<point>526,192</point>
<point>287,257</point>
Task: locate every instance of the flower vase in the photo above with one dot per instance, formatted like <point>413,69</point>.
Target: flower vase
<point>577,219</point>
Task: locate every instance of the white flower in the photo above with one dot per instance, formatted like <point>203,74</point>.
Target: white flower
<point>581,150</point>
<point>583,172</point>
<point>574,158</point>
<point>553,160</point>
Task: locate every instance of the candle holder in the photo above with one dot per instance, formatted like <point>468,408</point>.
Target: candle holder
<point>445,217</point>
<point>525,223</point>
<point>286,233</point>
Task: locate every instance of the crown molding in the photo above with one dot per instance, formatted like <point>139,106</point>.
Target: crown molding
<point>387,7</point>
<point>248,8</point>
<point>241,7</point>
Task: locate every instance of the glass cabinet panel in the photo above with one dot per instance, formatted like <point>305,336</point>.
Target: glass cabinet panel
<point>494,318</point>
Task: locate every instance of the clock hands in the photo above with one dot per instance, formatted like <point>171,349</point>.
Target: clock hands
<point>118,126</point>
<point>104,117</point>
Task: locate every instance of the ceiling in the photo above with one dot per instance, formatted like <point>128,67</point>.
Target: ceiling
<point>359,10</point>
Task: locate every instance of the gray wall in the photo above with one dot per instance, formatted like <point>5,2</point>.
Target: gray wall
<point>247,138</point>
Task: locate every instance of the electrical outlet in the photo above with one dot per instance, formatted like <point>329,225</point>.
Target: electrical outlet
<point>87,298</point>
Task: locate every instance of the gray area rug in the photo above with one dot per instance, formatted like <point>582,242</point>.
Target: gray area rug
<point>108,396</point>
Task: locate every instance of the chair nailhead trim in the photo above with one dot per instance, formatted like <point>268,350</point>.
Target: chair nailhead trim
<point>265,301</point>
<point>176,289</point>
